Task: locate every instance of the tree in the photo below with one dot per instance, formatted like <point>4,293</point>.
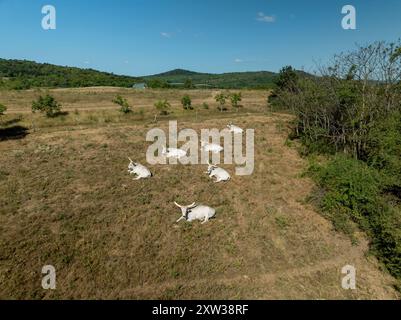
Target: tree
<point>46,104</point>
<point>163,107</point>
<point>158,84</point>
<point>189,84</point>
<point>123,103</point>
<point>221,100</point>
<point>287,79</point>
<point>235,99</point>
<point>187,102</point>
<point>3,109</point>
<point>287,82</point>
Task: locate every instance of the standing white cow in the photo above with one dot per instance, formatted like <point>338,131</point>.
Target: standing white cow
<point>195,212</point>
<point>139,170</point>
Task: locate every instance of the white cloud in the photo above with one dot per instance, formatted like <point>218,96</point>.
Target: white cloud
<point>264,18</point>
<point>238,60</point>
<point>165,34</point>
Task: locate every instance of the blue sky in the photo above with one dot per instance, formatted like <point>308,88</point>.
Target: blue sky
<point>140,37</point>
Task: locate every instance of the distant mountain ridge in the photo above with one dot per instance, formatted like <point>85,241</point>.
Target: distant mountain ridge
<point>231,80</point>
<point>24,74</point>
<point>177,72</point>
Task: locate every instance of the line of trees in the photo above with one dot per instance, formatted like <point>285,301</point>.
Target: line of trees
<point>351,111</point>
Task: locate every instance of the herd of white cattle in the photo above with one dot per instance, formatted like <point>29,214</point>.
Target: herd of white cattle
<point>192,212</point>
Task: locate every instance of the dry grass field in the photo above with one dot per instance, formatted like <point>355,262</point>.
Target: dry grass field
<point>67,200</point>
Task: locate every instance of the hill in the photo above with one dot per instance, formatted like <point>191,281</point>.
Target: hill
<point>234,80</point>
<point>23,74</point>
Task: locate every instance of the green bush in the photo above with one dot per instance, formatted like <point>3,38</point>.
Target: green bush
<point>46,104</point>
<point>383,149</point>
<point>123,103</point>
<point>221,100</point>
<point>350,184</point>
<point>235,99</point>
<point>352,191</point>
<point>3,109</point>
<point>187,102</point>
<point>163,106</point>
<point>385,229</point>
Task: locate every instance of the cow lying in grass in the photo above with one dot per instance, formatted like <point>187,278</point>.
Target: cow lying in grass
<point>194,212</point>
<point>219,173</point>
<point>139,170</point>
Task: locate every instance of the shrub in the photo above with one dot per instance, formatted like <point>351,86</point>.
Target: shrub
<point>205,106</point>
<point>163,106</point>
<point>352,192</point>
<point>123,103</point>
<point>235,99</point>
<point>3,109</point>
<point>46,104</point>
<point>351,184</point>
<point>189,84</point>
<point>386,235</point>
<point>287,79</point>
<point>187,102</point>
<point>383,150</point>
<point>221,100</point>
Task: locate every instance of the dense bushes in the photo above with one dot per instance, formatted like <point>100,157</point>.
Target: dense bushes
<point>340,107</point>
<point>3,109</point>
<point>383,149</point>
<point>353,191</point>
<point>351,184</point>
<point>351,112</point>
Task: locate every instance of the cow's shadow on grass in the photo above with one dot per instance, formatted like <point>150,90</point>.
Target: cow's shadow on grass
<point>13,133</point>
<point>60,114</point>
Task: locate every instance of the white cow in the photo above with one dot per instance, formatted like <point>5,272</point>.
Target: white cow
<point>234,128</point>
<point>173,153</point>
<point>139,170</point>
<point>195,212</point>
<point>219,173</point>
<point>211,147</point>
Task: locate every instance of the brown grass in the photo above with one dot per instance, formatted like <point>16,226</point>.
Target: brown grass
<point>67,200</point>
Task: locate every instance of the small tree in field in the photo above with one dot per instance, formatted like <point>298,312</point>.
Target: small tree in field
<point>221,100</point>
<point>189,84</point>
<point>187,102</point>
<point>3,109</point>
<point>46,104</point>
<point>123,103</point>
<point>235,99</point>
<point>163,106</point>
